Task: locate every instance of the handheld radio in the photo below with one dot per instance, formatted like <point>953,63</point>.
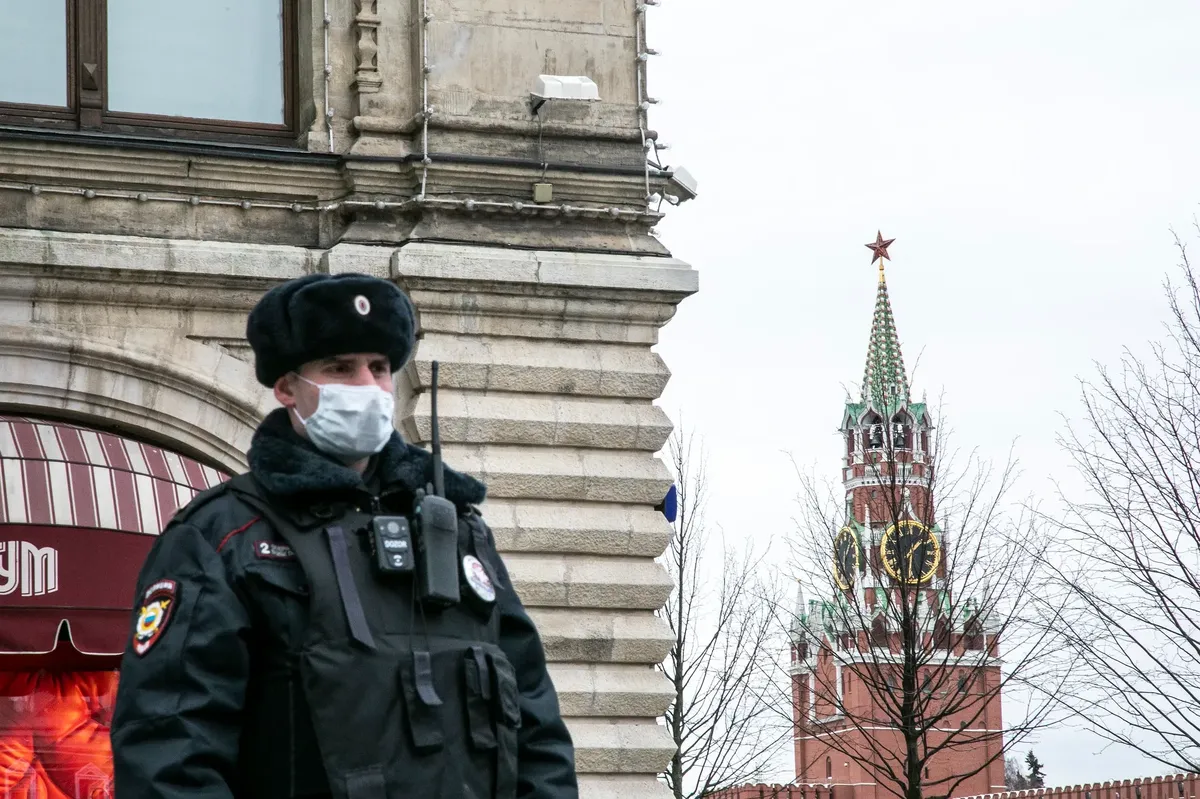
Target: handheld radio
<point>436,520</point>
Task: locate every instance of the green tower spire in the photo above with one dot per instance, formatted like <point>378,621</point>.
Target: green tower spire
<point>885,383</point>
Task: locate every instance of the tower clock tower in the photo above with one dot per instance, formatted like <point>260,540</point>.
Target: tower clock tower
<point>890,638</point>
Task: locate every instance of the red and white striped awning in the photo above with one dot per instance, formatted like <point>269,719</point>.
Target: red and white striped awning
<point>55,473</point>
<point>79,510</point>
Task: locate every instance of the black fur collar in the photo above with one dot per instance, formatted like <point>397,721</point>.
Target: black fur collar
<point>287,465</point>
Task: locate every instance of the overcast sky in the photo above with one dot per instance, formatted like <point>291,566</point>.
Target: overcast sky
<point>1029,157</point>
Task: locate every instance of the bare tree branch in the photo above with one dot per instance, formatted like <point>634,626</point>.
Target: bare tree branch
<point>1129,552</point>
<point>724,665</point>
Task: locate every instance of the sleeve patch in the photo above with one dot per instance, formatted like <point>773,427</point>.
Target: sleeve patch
<point>155,613</point>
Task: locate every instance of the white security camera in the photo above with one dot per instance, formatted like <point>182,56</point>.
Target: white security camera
<point>681,185</point>
<point>563,87</point>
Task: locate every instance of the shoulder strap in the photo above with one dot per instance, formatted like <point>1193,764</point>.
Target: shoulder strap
<point>246,484</point>
<point>200,500</point>
<point>250,492</point>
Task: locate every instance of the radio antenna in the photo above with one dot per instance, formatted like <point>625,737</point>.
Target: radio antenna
<point>439,477</point>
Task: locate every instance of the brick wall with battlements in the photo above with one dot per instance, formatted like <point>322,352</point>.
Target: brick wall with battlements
<point>1176,786</point>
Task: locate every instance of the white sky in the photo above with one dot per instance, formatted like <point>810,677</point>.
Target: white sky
<point>1028,156</point>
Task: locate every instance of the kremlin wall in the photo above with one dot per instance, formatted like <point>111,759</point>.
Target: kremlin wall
<point>1178,786</point>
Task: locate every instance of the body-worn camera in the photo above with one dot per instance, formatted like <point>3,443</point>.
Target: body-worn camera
<point>392,544</point>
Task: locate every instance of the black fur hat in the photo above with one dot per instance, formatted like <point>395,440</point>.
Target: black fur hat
<point>319,316</point>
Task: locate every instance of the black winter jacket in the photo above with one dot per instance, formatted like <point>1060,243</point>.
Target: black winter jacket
<point>229,601</point>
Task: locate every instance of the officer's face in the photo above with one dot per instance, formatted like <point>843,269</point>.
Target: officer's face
<point>360,369</point>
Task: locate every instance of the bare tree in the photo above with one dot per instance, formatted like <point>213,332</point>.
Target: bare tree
<point>724,665</point>
<point>919,574</point>
<point>1135,623</point>
<point>1014,778</point>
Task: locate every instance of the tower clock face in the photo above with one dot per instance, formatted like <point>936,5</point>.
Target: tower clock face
<point>846,558</point>
<point>910,552</point>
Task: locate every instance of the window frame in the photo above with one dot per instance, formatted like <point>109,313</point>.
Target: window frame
<point>87,108</point>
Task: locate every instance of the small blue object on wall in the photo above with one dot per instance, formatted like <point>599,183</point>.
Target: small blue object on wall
<point>669,507</point>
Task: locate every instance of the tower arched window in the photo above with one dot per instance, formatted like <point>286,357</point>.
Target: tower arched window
<point>828,768</point>
<point>941,633</point>
<point>973,634</point>
<point>901,432</point>
<point>873,432</point>
<point>879,635</point>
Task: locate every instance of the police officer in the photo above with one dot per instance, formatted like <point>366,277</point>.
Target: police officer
<point>314,628</point>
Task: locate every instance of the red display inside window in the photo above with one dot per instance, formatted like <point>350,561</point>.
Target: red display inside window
<point>54,728</point>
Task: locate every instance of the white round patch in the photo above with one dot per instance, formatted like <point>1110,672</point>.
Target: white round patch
<point>477,578</point>
<point>362,305</point>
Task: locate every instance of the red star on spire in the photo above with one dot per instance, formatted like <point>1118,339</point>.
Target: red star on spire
<point>879,248</point>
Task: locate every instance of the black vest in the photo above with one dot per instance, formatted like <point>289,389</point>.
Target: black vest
<point>426,707</point>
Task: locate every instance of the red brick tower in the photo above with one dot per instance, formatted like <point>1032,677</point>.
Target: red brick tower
<point>889,631</point>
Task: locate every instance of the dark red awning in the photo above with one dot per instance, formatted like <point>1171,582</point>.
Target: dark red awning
<point>79,511</point>
<point>68,582</point>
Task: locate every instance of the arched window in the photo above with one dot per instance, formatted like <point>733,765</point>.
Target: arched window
<point>879,636</point>
<point>828,768</point>
<point>901,431</point>
<point>973,634</point>
<point>941,633</point>
<point>873,432</point>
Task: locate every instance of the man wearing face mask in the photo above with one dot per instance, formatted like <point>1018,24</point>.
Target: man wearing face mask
<point>320,626</point>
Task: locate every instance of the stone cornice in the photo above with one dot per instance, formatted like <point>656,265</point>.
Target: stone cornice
<point>610,194</point>
<point>51,266</point>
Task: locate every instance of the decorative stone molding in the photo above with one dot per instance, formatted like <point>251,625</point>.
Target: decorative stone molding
<point>216,193</point>
<point>367,79</point>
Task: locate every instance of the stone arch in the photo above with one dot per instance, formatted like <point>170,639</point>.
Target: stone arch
<point>195,399</point>
<point>872,425</point>
<point>902,429</point>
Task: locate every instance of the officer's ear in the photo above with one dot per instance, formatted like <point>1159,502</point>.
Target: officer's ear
<point>285,390</point>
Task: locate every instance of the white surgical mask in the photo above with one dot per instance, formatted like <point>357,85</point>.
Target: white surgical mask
<point>350,422</point>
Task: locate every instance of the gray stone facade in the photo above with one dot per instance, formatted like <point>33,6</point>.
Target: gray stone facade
<point>127,267</point>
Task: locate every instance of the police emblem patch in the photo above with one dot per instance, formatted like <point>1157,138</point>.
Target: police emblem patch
<point>272,550</point>
<point>157,604</point>
<point>362,305</point>
<point>478,579</point>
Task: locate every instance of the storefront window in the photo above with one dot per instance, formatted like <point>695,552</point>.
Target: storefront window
<point>54,734</point>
